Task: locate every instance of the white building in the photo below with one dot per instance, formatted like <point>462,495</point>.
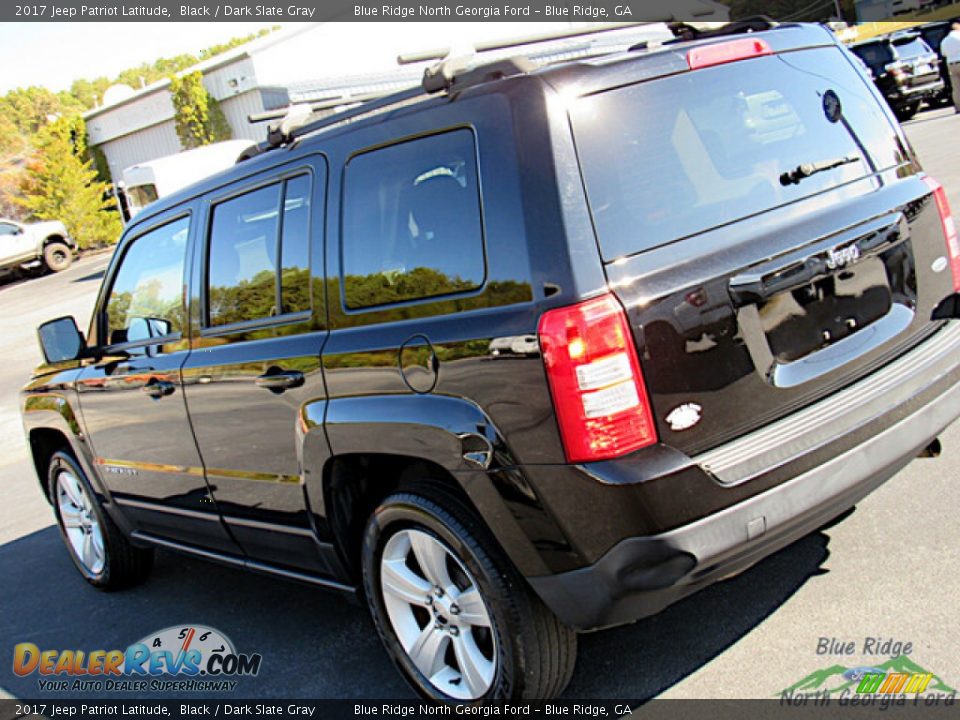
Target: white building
<point>305,62</point>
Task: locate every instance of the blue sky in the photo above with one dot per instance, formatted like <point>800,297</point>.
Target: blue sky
<point>54,54</point>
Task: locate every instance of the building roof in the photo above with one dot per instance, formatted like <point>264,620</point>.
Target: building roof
<point>240,52</point>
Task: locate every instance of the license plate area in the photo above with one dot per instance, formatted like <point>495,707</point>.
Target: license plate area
<point>807,319</point>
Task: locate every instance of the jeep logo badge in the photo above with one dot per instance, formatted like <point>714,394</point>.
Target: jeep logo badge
<point>838,258</point>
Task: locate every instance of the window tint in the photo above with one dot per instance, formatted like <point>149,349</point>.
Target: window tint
<point>242,265</point>
<point>146,299</point>
<point>876,55</point>
<point>669,158</point>
<point>411,221</point>
<point>295,246</point>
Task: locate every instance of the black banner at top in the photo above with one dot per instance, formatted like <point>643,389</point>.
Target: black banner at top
<point>399,10</point>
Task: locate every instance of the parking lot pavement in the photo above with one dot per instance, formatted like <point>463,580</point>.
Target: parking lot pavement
<point>889,571</point>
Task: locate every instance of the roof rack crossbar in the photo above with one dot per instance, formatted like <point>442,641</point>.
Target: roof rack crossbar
<point>491,45</point>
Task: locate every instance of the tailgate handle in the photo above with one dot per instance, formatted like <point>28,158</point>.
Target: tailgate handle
<point>820,260</point>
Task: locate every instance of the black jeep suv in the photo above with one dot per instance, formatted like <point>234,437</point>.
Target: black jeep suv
<point>523,352</point>
<point>905,69</point>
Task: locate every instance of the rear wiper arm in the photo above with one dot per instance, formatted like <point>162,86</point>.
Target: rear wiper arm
<point>793,177</point>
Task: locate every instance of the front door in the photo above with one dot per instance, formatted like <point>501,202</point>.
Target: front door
<point>132,397</point>
<point>257,360</point>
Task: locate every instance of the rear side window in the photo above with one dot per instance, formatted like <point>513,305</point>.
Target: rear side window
<point>146,299</point>
<point>258,257</point>
<point>673,157</point>
<point>411,221</point>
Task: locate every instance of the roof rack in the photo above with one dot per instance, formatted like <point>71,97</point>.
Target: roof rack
<point>450,74</point>
<point>491,45</point>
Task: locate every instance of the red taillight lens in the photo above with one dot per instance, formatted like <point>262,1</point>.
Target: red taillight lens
<point>949,228</point>
<point>709,55</point>
<point>598,390</point>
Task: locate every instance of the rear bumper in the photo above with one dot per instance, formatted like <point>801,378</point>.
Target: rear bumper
<point>640,576</point>
<point>906,95</point>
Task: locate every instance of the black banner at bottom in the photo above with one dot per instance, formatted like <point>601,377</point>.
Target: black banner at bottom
<point>810,707</point>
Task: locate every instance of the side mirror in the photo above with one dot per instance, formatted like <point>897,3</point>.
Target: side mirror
<point>61,340</point>
<point>18,231</point>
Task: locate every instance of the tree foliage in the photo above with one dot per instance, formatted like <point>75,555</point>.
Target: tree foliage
<point>59,183</point>
<point>198,117</point>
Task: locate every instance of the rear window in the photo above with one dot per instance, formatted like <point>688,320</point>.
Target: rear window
<point>876,55</point>
<point>673,157</point>
<point>911,48</point>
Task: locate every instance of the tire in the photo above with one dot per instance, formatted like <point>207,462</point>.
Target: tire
<point>113,563</point>
<point>906,112</point>
<point>512,646</point>
<point>57,257</point>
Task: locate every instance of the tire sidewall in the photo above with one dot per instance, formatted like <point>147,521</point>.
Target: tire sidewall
<point>410,511</point>
<point>62,461</point>
<point>48,254</point>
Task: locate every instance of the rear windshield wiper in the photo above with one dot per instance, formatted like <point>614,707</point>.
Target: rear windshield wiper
<point>793,177</point>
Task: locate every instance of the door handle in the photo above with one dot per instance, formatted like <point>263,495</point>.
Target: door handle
<point>158,388</point>
<point>279,381</point>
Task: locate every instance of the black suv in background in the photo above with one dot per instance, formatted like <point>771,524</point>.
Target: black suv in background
<point>933,34</point>
<point>520,353</point>
<point>905,70</point>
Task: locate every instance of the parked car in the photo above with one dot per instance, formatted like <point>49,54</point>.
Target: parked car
<point>32,246</point>
<point>148,181</point>
<point>933,34</point>
<point>905,70</point>
<point>288,368</point>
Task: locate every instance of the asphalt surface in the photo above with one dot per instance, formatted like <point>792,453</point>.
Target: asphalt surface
<point>890,570</point>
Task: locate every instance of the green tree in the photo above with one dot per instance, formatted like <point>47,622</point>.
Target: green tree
<point>198,116</point>
<point>59,183</point>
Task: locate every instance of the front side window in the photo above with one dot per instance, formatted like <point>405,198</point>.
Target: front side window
<point>411,221</point>
<point>8,229</point>
<point>146,300</point>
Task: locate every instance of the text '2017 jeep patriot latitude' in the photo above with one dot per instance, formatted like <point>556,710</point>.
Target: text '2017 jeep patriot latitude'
<point>737,274</point>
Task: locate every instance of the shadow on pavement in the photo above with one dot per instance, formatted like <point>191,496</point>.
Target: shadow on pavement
<point>92,276</point>
<point>317,645</point>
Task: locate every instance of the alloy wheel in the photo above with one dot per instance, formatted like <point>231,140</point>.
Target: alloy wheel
<point>438,614</point>
<point>80,523</point>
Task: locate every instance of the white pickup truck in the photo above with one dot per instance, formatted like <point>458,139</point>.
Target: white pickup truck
<point>43,245</point>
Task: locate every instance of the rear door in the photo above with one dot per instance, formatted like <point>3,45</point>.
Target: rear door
<point>262,325</point>
<point>764,226</point>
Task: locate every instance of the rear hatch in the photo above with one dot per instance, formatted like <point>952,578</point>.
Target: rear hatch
<point>916,63</point>
<point>766,229</point>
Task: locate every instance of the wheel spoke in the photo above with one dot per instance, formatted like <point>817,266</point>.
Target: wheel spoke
<point>476,670</point>
<point>432,558</point>
<point>86,553</point>
<point>401,582</point>
<point>472,609</point>
<point>72,489</point>
<point>428,650</point>
<point>70,516</point>
<point>97,543</point>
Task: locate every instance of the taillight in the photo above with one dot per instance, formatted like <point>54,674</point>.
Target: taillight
<point>594,374</point>
<point>949,228</point>
<point>725,52</point>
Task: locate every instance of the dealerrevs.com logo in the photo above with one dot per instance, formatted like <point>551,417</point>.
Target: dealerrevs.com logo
<point>178,658</point>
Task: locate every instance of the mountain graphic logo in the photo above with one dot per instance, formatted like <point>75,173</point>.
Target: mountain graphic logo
<point>837,678</point>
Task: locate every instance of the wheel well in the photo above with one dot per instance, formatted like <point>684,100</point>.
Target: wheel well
<point>50,239</point>
<point>44,442</point>
<point>355,484</point>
